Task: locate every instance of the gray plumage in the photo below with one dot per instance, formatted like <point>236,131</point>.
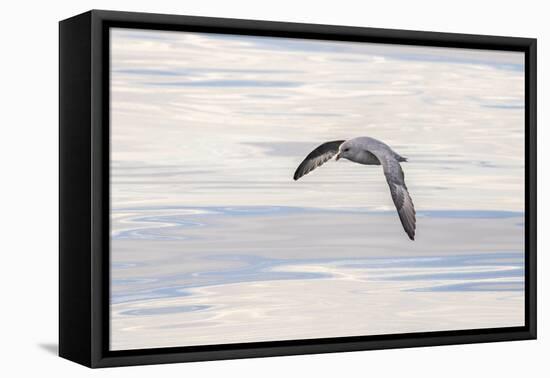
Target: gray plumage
<point>317,157</point>
<point>368,151</point>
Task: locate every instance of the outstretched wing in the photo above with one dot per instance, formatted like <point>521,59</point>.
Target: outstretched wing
<point>399,192</point>
<point>317,157</point>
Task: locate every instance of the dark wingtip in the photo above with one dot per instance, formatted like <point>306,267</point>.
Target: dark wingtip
<point>299,173</point>
<point>412,233</point>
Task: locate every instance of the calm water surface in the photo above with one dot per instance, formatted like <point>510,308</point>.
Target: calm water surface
<point>189,275</point>
<point>212,240</point>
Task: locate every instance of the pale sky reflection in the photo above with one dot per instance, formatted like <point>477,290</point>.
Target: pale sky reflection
<point>232,116</point>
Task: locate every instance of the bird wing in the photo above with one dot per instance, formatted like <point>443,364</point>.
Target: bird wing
<point>399,192</point>
<point>318,157</point>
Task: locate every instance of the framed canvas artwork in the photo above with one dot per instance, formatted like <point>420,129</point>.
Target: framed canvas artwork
<point>235,188</point>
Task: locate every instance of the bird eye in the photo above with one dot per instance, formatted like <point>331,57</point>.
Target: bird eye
<point>346,149</point>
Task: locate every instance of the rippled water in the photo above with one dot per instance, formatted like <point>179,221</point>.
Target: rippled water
<point>212,240</point>
<point>188,276</point>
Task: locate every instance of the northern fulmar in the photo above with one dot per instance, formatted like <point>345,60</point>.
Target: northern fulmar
<point>368,151</point>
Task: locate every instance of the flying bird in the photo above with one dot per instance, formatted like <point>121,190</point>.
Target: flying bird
<point>368,151</point>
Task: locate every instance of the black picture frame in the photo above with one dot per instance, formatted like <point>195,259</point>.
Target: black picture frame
<point>84,188</point>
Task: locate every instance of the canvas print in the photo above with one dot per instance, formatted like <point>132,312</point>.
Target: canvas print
<point>267,188</point>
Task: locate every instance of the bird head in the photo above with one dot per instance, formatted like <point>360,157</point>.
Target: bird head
<point>345,151</point>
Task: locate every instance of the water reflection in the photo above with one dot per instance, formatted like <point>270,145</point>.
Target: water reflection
<point>212,240</point>
<point>208,261</point>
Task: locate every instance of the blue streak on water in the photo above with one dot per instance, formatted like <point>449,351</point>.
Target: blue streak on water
<point>169,223</point>
<point>285,210</point>
<point>258,269</point>
<point>153,72</point>
<point>254,269</point>
<point>146,294</point>
<point>228,84</point>
<point>460,275</point>
<point>198,71</point>
<point>504,106</point>
<point>131,281</point>
<point>225,210</point>
<point>157,233</point>
<point>458,60</point>
<point>165,310</point>
<point>123,265</point>
<point>471,260</point>
<point>198,217</point>
<point>470,214</point>
<point>475,286</point>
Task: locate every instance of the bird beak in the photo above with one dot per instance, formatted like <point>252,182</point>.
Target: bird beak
<point>338,156</point>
